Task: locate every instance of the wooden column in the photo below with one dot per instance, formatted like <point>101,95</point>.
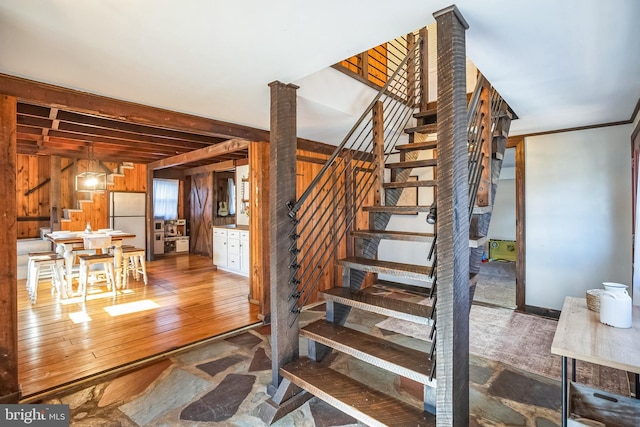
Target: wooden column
<point>282,178</point>
<point>9,390</point>
<point>452,339</point>
<point>149,215</point>
<point>521,235</point>
<point>55,192</point>
<point>259,227</point>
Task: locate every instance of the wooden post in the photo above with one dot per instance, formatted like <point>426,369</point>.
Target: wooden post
<point>149,214</point>
<point>55,192</point>
<point>424,69</point>
<point>282,178</point>
<point>411,71</point>
<point>521,235</point>
<point>484,189</point>
<point>259,227</point>
<point>378,150</point>
<point>452,338</point>
<point>9,390</point>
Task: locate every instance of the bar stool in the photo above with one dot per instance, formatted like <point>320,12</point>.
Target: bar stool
<point>38,260</point>
<point>93,266</point>
<point>97,264</point>
<point>133,260</point>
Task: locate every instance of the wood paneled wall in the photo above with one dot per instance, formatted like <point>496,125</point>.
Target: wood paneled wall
<point>33,210</point>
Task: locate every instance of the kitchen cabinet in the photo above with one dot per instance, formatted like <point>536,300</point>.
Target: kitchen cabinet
<point>231,249</point>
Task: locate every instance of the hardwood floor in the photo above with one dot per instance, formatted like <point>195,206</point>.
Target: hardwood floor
<point>185,301</point>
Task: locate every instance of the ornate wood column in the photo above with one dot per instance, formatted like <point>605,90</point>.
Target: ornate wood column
<point>9,389</point>
<point>452,339</point>
<point>282,178</point>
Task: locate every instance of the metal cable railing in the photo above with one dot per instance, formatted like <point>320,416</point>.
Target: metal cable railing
<point>329,207</point>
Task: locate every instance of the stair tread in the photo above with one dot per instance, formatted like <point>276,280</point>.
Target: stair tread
<point>412,164</point>
<point>408,236</point>
<point>368,405</point>
<point>408,271</point>
<point>428,128</point>
<point>405,361</point>
<point>433,112</point>
<point>412,289</point>
<point>398,210</point>
<point>394,235</point>
<point>378,301</point>
<point>481,210</point>
<point>406,184</point>
<point>426,145</point>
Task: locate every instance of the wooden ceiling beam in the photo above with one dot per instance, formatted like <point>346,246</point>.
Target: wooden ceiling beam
<point>64,98</point>
<point>215,167</point>
<point>202,154</point>
<point>28,111</point>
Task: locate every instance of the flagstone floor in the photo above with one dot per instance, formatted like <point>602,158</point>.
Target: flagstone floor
<point>223,383</point>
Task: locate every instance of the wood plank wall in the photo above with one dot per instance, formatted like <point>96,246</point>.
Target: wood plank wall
<point>33,209</point>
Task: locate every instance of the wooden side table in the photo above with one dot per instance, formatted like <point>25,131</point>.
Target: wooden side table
<point>580,336</point>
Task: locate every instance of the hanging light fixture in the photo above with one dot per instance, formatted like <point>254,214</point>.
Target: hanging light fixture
<point>93,180</point>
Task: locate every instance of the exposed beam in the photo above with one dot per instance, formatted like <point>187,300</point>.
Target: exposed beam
<point>215,167</point>
<point>64,98</point>
<point>201,154</point>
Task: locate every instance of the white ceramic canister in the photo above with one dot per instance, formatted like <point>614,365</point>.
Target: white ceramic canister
<point>615,305</point>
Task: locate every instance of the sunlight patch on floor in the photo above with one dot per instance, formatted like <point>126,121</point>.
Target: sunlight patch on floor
<point>79,317</point>
<point>131,307</point>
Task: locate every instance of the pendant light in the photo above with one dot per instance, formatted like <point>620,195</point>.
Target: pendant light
<point>93,180</point>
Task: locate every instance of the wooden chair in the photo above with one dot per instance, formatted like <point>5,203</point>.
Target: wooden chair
<point>97,266</point>
<point>38,260</point>
<point>133,260</point>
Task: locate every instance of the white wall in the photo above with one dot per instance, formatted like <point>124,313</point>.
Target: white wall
<point>503,216</point>
<point>578,213</point>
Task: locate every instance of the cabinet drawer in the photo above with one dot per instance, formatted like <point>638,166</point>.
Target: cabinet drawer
<point>244,235</point>
<point>234,262</point>
<point>220,232</point>
<point>233,246</point>
<point>233,234</point>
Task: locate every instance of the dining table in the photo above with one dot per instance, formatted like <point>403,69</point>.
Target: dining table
<point>69,242</point>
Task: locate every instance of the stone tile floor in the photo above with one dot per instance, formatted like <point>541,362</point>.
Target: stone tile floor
<point>223,383</point>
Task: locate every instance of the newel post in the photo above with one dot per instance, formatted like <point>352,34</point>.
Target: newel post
<point>452,338</point>
<point>282,178</point>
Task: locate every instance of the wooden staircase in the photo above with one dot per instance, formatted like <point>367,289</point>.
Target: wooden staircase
<point>355,398</point>
<point>366,176</point>
<point>68,214</point>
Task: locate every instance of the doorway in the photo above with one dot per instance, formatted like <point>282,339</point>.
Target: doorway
<point>497,277</point>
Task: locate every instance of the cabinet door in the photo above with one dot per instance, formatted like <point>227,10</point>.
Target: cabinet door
<point>220,256</point>
<point>244,254</point>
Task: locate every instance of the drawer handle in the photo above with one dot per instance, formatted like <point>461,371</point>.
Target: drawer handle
<point>605,397</point>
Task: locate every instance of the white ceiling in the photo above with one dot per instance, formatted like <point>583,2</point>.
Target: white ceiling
<point>559,64</point>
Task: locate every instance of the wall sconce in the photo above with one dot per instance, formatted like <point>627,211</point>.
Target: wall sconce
<point>92,180</point>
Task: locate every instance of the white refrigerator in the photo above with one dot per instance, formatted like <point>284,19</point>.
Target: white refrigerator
<point>127,213</point>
